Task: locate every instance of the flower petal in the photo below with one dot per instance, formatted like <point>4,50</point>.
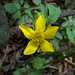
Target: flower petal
<point>50,32</point>
<point>31,48</point>
<point>46,46</point>
<point>40,23</point>
<point>27,31</point>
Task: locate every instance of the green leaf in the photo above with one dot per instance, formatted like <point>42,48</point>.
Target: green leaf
<point>33,25</point>
<point>23,69</point>
<point>64,24</point>
<point>16,15</point>
<point>38,63</point>
<point>27,19</point>
<point>36,14</point>
<point>37,2</point>
<point>64,18</point>
<point>22,1</point>
<point>58,35</point>
<point>46,61</point>
<point>26,5</point>
<point>10,8</point>
<point>56,44</point>
<point>73,27</point>
<point>27,67</point>
<point>63,33</point>
<point>35,73</point>
<point>70,17</point>
<point>17,5</point>
<point>18,72</point>
<point>17,1</point>
<point>44,12</point>
<point>67,23</point>
<point>70,35</point>
<point>28,12</point>
<point>51,10</point>
<point>53,13</point>
<point>74,32</point>
<point>70,23</point>
<point>21,20</point>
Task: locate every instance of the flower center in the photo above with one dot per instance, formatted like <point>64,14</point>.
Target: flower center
<point>38,37</point>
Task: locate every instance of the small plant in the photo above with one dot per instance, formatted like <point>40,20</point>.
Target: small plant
<point>38,36</point>
<point>69,24</point>
<point>14,9</point>
<point>42,35</point>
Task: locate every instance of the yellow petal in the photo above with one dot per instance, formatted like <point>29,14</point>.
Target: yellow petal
<point>40,23</point>
<point>50,32</point>
<point>27,31</point>
<point>31,48</point>
<point>46,46</point>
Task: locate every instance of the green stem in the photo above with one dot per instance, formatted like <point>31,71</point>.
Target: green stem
<point>46,55</point>
<point>60,59</point>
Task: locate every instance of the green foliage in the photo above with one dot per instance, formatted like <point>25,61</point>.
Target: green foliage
<point>70,35</point>
<point>73,27</point>
<point>37,2</point>
<point>22,1</point>
<point>71,53</point>
<point>36,63</point>
<point>67,31</point>
<point>46,62</point>
<point>15,10</point>
<point>64,24</point>
<point>26,5</point>
<point>56,45</point>
<point>10,8</point>
<point>33,25</point>
<point>17,5</point>
<point>23,19</point>
<point>36,14</point>
<point>17,1</point>
<point>18,72</point>
<point>69,24</point>
<point>44,12</point>
<point>58,35</point>
<point>23,69</point>
<point>28,12</point>
<point>16,15</point>
<point>63,32</point>
<point>53,13</point>
<point>34,72</point>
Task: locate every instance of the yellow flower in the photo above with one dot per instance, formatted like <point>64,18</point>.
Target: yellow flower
<point>38,36</point>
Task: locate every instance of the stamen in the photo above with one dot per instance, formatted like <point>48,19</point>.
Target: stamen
<point>38,37</point>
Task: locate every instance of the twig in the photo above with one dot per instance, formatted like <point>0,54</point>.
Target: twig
<point>13,22</point>
<point>4,56</point>
<point>69,62</point>
<point>68,13</point>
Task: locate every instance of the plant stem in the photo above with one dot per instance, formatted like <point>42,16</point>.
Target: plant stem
<point>60,59</point>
